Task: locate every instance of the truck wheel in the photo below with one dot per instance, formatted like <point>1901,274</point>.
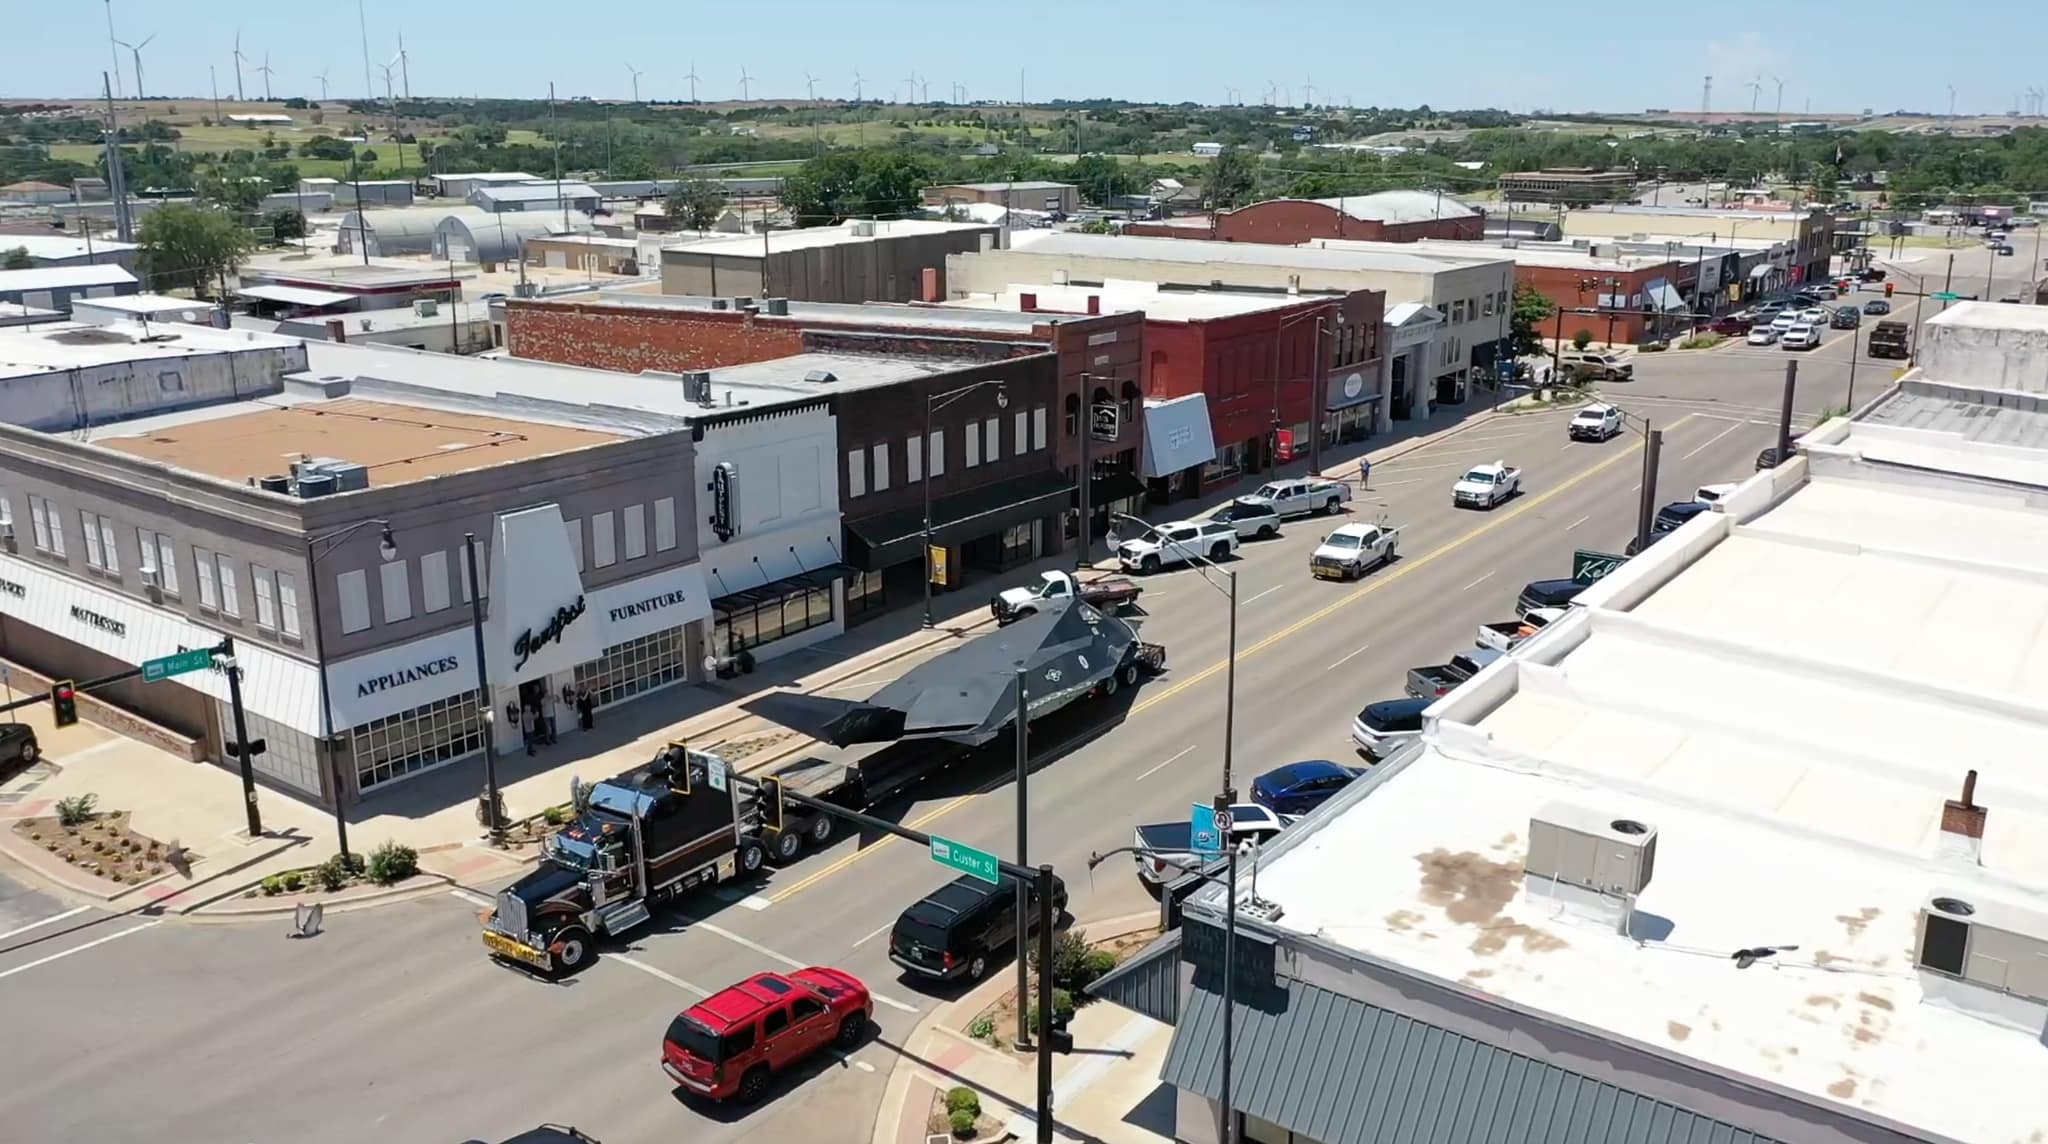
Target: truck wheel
<point>754,1085</point>
<point>820,830</point>
<point>1330,506</point>
<point>1219,552</point>
<point>1129,674</point>
<point>750,857</point>
<point>1268,532</point>
<point>788,844</point>
<point>1108,686</point>
<point>1149,564</point>
<point>576,951</point>
<point>977,967</point>
<point>852,1030</point>
<point>29,751</point>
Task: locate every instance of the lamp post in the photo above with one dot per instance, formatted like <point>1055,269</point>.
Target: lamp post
<point>1320,314</point>
<point>932,404</point>
<point>487,707</point>
<point>387,547</point>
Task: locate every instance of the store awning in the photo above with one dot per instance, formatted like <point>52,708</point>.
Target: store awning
<point>1119,485</point>
<point>1177,436</point>
<point>1761,270</point>
<point>740,598</point>
<point>1147,983</point>
<point>1663,297</point>
<point>893,537</point>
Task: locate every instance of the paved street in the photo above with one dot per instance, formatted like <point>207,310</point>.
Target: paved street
<point>393,1021</point>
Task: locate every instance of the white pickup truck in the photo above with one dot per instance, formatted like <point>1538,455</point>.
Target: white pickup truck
<point>1302,497</point>
<point>1353,550</point>
<point>1484,486</point>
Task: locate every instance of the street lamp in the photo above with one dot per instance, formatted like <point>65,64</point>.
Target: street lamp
<point>932,404</point>
<point>318,547</point>
<point>1321,314</point>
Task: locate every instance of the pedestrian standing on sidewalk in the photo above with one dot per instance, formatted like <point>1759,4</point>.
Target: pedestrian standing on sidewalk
<point>547,715</point>
<point>528,726</point>
<point>586,708</point>
<point>1364,473</point>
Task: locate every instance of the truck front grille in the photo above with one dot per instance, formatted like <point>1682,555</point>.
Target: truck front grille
<point>511,917</point>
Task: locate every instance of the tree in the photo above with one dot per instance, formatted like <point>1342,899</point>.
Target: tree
<point>285,224</point>
<point>870,183</point>
<point>1101,178</point>
<point>18,259</point>
<point>326,147</point>
<point>1232,177</point>
<point>1531,310</point>
<point>185,245</point>
<point>695,204</point>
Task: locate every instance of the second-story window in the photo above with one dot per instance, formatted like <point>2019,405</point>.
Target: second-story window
<point>856,473</point>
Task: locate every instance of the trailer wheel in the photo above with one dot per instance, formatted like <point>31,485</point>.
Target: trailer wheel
<point>1108,686</point>
<point>576,951</point>
<point>820,830</point>
<point>1129,674</point>
<point>788,844</point>
<point>750,857</point>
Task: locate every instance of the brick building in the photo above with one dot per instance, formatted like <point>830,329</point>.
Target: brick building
<point>1576,185</point>
<point>1388,216</point>
<point>1023,195</point>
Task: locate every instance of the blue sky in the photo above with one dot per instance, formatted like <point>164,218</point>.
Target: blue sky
<point>1835,55</point>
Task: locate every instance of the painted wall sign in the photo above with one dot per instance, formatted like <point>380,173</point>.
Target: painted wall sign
<point>110,626</point>
<point>405,675</point>
<point>650,604</point>
<point>537,600</point>
<point>14,588</point>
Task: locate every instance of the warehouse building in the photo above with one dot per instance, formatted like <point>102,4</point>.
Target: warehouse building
<point>857,261</point>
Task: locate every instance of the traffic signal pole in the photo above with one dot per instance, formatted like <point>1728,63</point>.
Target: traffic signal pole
<point>226,654</point>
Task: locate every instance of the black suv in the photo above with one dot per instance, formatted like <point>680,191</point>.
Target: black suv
<point>1547,594</point>
<point>958,928</point>
<point>18,746</point>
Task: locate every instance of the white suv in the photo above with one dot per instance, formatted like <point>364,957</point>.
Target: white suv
<point>1177,542</point>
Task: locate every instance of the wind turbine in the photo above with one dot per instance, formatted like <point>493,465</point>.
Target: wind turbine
<point>387,69</point>
<point>636,81</point>
<point>114,52</point>
<point>745,79</point>
<point>1779,107</point>
<point>811,87</point>
<point>911,79</point>
<point>856,85</point>
<point>1951,101</point>
<point>1756,88</point>
<point>265,72</point>
<point>1308,92</point>
<point>1271,89</point>
<point>404,68</point>
<point>322,77</point>
<point>692,77</point>
<point>136,51</point>
<point>927,85</point>
<point>239,57</point>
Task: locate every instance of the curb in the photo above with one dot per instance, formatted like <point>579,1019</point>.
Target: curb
<point>94,888</point>
<point>221,913</point>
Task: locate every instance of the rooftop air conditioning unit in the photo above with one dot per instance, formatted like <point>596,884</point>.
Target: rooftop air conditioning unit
<point>720,304</point>
<point>365,324</point>
<point>1596,851</point>
<point>864,227</point>
<point>741,301</point>
<point>777,306</point>
<point>425,307</point>
<point>1580,244</point>
<point>821,377</point>
<point>697,383</point>
<point>1996,946</point>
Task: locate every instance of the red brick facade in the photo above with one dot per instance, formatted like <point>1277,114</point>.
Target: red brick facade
<point>1289,222</point>
<point>1569,289</point>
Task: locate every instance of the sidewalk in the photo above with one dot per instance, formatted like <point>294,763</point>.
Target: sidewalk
<point>1106,1092</point>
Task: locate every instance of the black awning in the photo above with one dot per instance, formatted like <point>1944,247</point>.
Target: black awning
<point>742,598</point>
<point>893,537</point>
<point>1116,486</point>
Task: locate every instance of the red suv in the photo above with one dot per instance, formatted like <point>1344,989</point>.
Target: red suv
<point>731,1043</point>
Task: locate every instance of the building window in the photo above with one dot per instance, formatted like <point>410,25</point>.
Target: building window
<point>913,459</point>
<point>574,529</point>
<point>634,520</point>
<point>1488,301</point>
<point>160,556</point>
<point>230,596</point>
<point>636,666</point>
<point>1022,435</point>
<point>937,453</point>
<point>433,581</point>
<point>972,436</point>
<point>95,556</point>
<point>351,592</point>
<point>49,526</point>
<point>763,622</point>
<point>170,381</point>
<point>1038,428</point>
<point>664,524</point>
<point>413,741</point>
<point>395,586</point>
<point>265,584</point>
<point>994,427</point>
<point>856,473</point>
<point>483,571</point>
<point>881,459</point>
<point>604,551</point>
<point>202,563</point>
<point>288,605</point>
<point>864,594</point>
<point>1017,543</point>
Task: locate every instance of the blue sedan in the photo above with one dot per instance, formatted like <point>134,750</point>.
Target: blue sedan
<point>1298,788</point>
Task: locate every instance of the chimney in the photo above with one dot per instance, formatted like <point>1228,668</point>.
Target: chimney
<point>1962,826</point>
<point>337,330</point>
<point>928,285</point>
<point>1095,303</point>
<point>1027,303</point>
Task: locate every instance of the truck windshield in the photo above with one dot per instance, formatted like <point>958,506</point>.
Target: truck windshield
<point>1479,477</point>
<point>571,853</point>
<point>1342,540</point>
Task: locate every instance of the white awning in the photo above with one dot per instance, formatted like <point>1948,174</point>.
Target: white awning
<point>1761,270</point>
<point>294,295</point>
<point>1177,436</point>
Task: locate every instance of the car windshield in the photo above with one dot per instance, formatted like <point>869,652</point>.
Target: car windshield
<point>1344,540</point>
<point>1479,477</point>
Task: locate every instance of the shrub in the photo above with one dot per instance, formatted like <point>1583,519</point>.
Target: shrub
<point>962,1123</point>
<point>1069,960</point>
<point>76,810</point>
<point>960,1098</point>
<point>1097,963</point>
<point>554,816</point>
<point>391,862</point>
<point>292,880</point>
<point>983,1029</point>
<point>1582,339</point>
<point>334,873</point>
<point>1062,1010</point>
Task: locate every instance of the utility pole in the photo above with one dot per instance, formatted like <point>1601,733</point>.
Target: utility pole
<point>1854,346</point>
<point>1084,543</point>
<point>226,653</point>
<point>1653,446</point>
<point>1785,409</point>
<point>495,825</point>
<point>1946,280</point>
<point>1023,735</point>
<point>363,28</point>
<point>117,177</point>
<point>116,54</point>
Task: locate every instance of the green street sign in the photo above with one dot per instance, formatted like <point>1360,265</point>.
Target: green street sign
<point>1947,296</point>
<point>1588,566</point>
<point>966,859</point>
<point>166,666</point>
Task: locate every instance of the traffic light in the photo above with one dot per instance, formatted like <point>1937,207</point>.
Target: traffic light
<point>64,702</point>
<point>1889,287</point>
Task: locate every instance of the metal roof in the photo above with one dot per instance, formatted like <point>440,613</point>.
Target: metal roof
<point>1341,1071</point>
<point>1980,417</point>
<point>534,192</point>
<point>57,277</point>
<point>1147,983</point>
<point>293,295</point>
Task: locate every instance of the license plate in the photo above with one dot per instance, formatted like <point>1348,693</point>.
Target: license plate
<point>1327,573</point>
<point>505,947</point>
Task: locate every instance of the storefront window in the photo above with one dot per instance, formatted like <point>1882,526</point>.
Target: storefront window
<point>863,594</point>
<point>627,669</point>
<point>1017,543</point>
<point>750,625</point>
<point>416,740</point>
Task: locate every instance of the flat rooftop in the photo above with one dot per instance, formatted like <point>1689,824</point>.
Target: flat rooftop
<point>146,304</point>
<point>749,246</point>
<point>1116,296</point>
<point>55,246</point>
<point>1956,429</point>
<point>893,314</point>
<point>73,345</point>
<point>1561,254</point>
<point>1334,256</point>
<point>2003,316</point>
<point>398,443</point>
<point>1788,706</point>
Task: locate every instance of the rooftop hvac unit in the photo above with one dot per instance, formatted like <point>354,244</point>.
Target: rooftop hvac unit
<point>276,483</point>
<point>776,306</point>
<point>425,307</point>
<point>864,227</point>
<point>720,304</point>
<point>1999,947</point>
<point>1601,852</point>
<point>697,383</point>
<point>1579,244</point>
<point>364,323</point>
<point>349,476</point>
<point>315,485</point>
<point>820,376</point>
<point>741,301</point>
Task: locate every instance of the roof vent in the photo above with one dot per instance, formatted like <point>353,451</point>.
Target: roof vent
<point>821,377</point>
<point>720,304</point>
<point>742,301</point>
<point>777,306</point>
<point>697,383</point>
<point>1609,855</point>
<point>276,484</point>
<point>1579,244</point>
<point>2001,950</point>
<point>864,228</point>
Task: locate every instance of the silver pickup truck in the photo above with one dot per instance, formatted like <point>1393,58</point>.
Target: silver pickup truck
<point>1437,680</point>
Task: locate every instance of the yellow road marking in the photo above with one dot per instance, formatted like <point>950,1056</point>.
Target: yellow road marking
<point>1404,568</point>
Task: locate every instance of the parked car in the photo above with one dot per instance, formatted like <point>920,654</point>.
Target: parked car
<point>1539,594</point>
<point>1594,423</point>
<point>1599,365</point>
<point>18,746</point>
<point>1877,306</point>
<point>1815,315</point>
<point>1169,848</point>
<point>1484,486</point>
<point>2005,249</point>
<point>1253,520</point>
<point>1769,458</point>
<point>1381,728</point>
<point>1353,550</point>
<point>1300,498</point>
<point>1732,324</point>
<point>1505,634</point>
<point>547,1134</point>
<point>962,927</point>
<point>1803,336</point>
<point>731,1043</point>
<point>1846,318</point>
<point>1871,274</point>
<point>1763,336</point>
<point>1177,542</point>
<point>1677,513</point>
<point>1821,290</point>
<point>1785,320</point>
<point>1298,788</point>
<point>1712,494</point>
<point>1438,679</point>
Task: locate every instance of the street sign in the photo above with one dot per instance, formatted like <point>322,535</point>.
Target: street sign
<point>1102,422</point>
<point>166,666</point>
<point>1946,296</point>
<point>1588,566</point>
<point>1205,831</point>
<point>966,859</point>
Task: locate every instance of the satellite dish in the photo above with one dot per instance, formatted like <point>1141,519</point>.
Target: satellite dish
<point>306,919</point>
